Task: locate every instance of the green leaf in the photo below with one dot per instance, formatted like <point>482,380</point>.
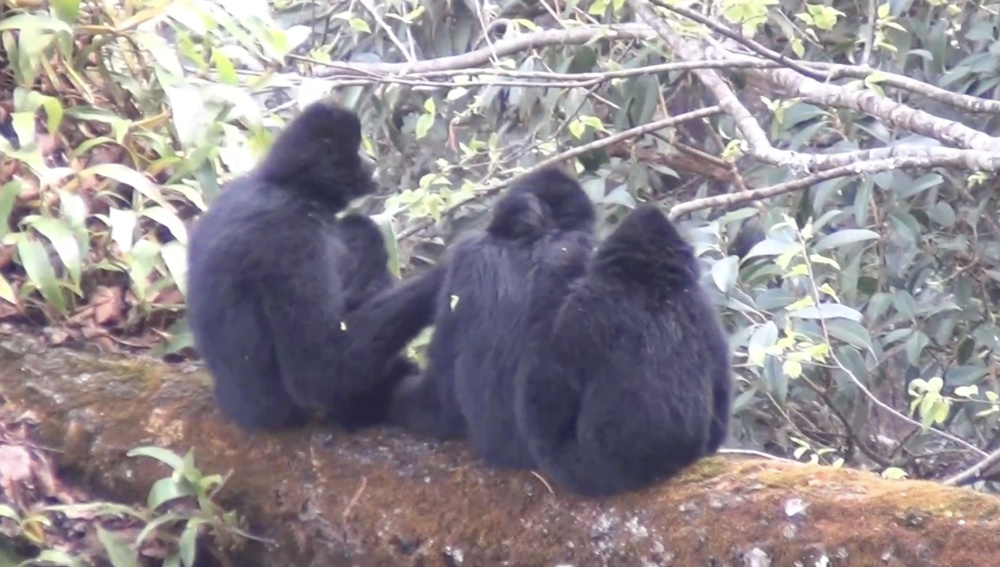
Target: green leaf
<point>8,512</point>
<point>165,490</point>
<point>827,311</point>
<point>598,8</point>
<point>64,241</point>
<point>384,223</point>
<point>771,247</point>
<point>141,263</point>
<point>577,128</point>
<point>894,473</point>
<point>424,124</point>
<point>122,223</point>
<point>915,346</point>
<point>188,113</point>
<point>90,509</point>
<point>166,456</point>
<point>129,176</point>
<point>763,338</point>
<point>155,524</point>
<point>905,305</point>
<point>225,68</point>
<point>8,197</point>
<point>35,260</point>
<point>592,121</point>
<point>851,332</point>
<point>456,93</point>
<point>55,557</point>
<point>943,214</point>
<point>74,211</point>
<point>618,196</point>
<point>360,25</point>
<point>188,543</point>
<point>845,237</point>
<point>53,110</point>
<point>169,219</point>
<point>66,10</point>
<point>34,23</point>
<point>724,273</point>
<point>941,410</point>
<point>798,47</point>
<point>23,123</point>
<point>792,368</point>
<point>775,379</point>
<point>296,36</point>
<point>965,376</point>
<point>174,255</point>
<point>967,391</point>
<point>824,17</point>
<point>119,552</point>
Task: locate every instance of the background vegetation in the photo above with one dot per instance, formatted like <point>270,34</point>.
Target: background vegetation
<point>833,161</point>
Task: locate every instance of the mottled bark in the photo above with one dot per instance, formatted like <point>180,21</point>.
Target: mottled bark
<point>384,498</point>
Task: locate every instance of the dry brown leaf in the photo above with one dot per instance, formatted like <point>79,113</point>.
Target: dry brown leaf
<point>108,303</point>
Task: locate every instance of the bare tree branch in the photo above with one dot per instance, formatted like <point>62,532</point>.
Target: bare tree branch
<point>982,151</point>
<point>493,188</point>
<point>350,74</point>
<point>746,124</point>
<point>500,49</point>
<point>973,472</point>
<point>797,85</point>
<point>467,64</point>
<point>749,43</point>
<point>962,101</point>
<point>861,168</point>
<point>870,102</point>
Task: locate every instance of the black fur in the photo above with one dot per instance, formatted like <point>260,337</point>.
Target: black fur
<point>481,321</point>
<point>292,309</point>
<point>627,380</point>
<point>607,371</point>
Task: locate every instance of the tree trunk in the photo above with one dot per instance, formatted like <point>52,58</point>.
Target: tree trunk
<point>385,498</point>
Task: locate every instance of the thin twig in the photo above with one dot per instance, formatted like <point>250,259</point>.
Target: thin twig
<point>545,482</point>
<point>861,168</point>
<point>902,82</point>
<point>504,48</point>
<point>388,31</point>
<point>866,54</point>
<point>752,453</point>
<point>469,63</point>
<point>354,500</point>
<point>493,188</point>
<point>972,473</point>
<point>749,43</point>
<point>814,294</point>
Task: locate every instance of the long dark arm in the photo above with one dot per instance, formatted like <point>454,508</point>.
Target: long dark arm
<point>382,326</point>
